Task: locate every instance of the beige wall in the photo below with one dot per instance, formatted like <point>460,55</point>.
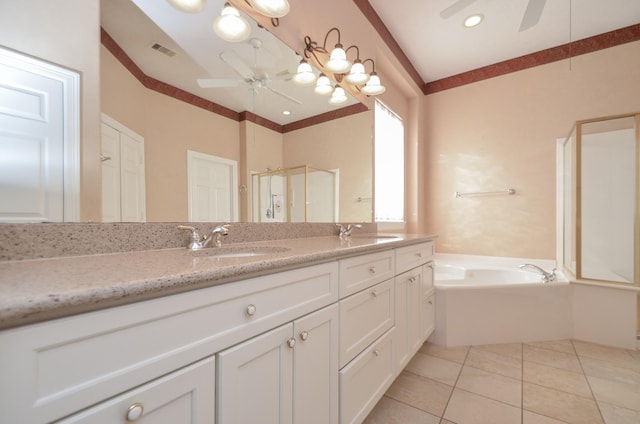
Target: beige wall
<point>347,144</point>
<point>170,127</point>
<point>65,33</point>
<point>501,133</point>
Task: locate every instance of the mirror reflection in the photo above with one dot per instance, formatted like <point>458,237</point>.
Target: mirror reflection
<point>175,151</point>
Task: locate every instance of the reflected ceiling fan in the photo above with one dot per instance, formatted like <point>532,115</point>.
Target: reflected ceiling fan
<point>530,18</point>
<point>254,77</point>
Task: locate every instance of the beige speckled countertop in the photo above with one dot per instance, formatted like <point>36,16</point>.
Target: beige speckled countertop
<point>42,289</point>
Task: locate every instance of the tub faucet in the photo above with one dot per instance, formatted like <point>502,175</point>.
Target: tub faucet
<point>216,235</point>
<point>346,230</point>
<point>546,276</point>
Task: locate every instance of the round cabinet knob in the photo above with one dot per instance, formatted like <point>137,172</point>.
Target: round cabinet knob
<point>251,310</point>
<point>376,352</point>
<point>412,279</point>
<point>304,335</point>
<point>134,412</point>
<point>419,254</point>
<point>374,293</point>
<point>291,342</point>
<point>430,302</point>
<point>372,269</point>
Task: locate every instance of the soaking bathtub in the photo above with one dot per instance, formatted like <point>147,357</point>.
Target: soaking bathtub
<point>484,300</point>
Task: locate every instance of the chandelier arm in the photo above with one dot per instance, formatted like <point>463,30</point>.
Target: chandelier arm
<point>327,36</point>
<point>353,47</point>
<point>373,64</point>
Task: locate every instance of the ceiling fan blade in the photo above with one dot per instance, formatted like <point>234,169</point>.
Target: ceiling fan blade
<point>281,94</point>
<point>455,8</point>
<point>232,59</point>
<point>218,82</point>
<point>532,14</point>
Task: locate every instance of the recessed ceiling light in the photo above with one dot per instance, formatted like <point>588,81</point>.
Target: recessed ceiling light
<point>286,112</point>
<point>473,20</point>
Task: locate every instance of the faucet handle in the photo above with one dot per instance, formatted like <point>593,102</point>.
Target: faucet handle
<point>195,241</point>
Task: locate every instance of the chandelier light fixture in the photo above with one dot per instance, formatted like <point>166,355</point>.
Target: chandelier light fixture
<point>271,8</point>
<point>335,66</point>
<point>230,25</point>
<point>189,6</point>
<point>304,74</point>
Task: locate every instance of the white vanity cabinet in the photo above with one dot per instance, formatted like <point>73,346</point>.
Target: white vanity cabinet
<point>183,396</point>
<point>287,375</point>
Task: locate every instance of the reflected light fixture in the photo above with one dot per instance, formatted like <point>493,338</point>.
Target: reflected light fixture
<point>230,25</point>
<point>189,6</point>
<point>357,75</point>
<point>373,87</point>
<point>338,96</point>
<point>271,8</point>
<point>304,75</point>
<point>473,20</point>
<point>323,85</point>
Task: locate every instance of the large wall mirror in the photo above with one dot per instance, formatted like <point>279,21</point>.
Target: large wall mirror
<point>315,173</point>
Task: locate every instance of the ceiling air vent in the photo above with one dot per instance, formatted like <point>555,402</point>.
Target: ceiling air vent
<point>162,49</point>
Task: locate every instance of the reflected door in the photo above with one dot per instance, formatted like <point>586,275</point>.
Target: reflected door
<point>212,181</point>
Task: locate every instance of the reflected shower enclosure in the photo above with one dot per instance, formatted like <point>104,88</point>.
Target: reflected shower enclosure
<point>600,225</point>
<point>298,194</point>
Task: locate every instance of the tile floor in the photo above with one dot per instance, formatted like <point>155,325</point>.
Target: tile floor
<point>553,382</point>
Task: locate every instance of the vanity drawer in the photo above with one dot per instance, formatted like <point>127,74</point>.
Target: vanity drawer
<point>365,316</point>
<point>71,363</point>
<point>364,271</point>
<point>412,256</point>
<point>364,381</point>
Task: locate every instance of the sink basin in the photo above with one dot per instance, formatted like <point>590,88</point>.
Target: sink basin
<point>374,236</point>
<point>238,251</point>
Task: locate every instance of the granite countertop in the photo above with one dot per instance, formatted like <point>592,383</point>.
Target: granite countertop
<point>42,289</point>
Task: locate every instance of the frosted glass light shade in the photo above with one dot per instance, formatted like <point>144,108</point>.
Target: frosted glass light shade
<point>271,8</point>
<point>304,75</point>
<point>373,87</point>
<point>338,96</point>
<point>323,85</point>
<point>357,75</point>
<point>189,6</point>
<point>338,62</point>
<point>230,26</point>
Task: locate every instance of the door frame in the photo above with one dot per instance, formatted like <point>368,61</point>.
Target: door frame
<point>70,81</point>
<point>233,192</point>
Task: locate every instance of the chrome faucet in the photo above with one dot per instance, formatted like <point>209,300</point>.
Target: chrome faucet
<point>546,276</point>
<point>196,242</point>
<point>346,230</point>
<point>216,235</point>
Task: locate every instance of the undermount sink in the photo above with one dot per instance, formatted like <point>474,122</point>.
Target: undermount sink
<point>238,251</point>
<point>375,236</point>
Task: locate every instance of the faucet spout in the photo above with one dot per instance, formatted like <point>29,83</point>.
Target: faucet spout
<point>546,276</point>
<point>346,230</point>
<point>216,235</point>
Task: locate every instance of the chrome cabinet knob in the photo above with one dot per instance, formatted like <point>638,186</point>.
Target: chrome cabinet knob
<point>304,335</point>
<point>134,412</point>
<point>251,310</point>
<point>376,352</point>
<point>291,342</point>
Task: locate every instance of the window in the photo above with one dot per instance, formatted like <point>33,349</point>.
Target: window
<point>389,165</point>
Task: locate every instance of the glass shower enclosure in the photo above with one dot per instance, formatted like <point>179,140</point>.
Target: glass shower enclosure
<point>600,228</point>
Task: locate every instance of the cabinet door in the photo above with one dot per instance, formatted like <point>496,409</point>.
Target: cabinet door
<point>427,296</point>
<point>315,373</point>
<point>255,380</point>
<point>409,323</point>
<point>186,396</point>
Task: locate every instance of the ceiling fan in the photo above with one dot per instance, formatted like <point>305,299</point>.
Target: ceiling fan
<point>530,18</point>
<point>254,77</point>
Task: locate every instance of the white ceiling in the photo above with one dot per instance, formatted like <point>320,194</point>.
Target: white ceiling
<point>440,48</point>
<point>437,47</point>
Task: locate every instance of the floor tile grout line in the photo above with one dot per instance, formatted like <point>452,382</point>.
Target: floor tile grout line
<point>593,395</point>
<point>522,383</point>
<point>455,383</point>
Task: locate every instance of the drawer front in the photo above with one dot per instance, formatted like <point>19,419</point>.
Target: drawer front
<point>364,271</point>
<point>186,396</point>
<point>364,317</point>
<point>364,381</point>
<point>56,362</point>
<point>412,256</point>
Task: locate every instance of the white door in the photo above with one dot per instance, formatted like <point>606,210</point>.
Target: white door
<point>212,180</point>
<point>123,176</point>
<point>38,141</point>
<point>255,380</point>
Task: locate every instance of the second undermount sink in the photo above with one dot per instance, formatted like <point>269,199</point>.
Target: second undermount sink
<point>238,251</point>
